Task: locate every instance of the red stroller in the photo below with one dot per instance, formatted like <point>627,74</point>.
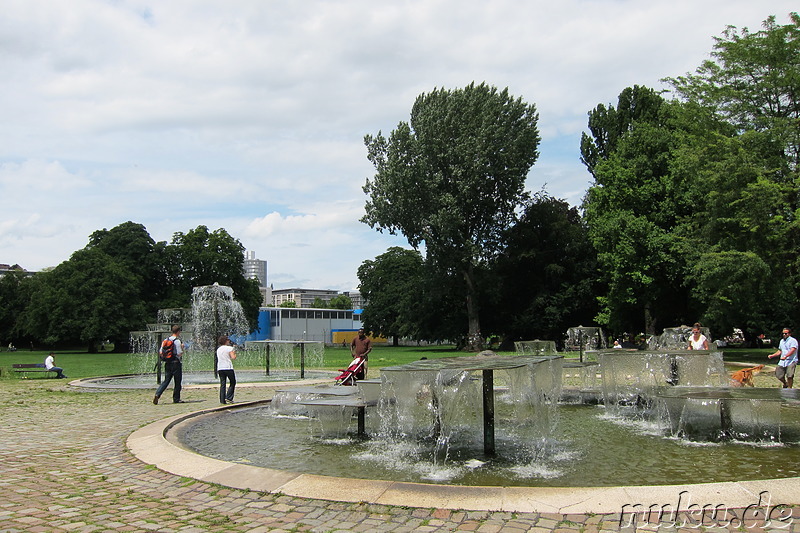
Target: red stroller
<point>356,370</point>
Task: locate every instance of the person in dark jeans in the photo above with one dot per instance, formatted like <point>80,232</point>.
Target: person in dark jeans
<point>173,368</point>
<point>225,356</point>
<point>49,364</point>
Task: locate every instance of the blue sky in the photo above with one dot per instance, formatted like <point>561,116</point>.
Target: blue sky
<point>249,115</point>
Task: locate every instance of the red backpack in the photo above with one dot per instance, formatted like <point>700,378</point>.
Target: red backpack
<point>167,351</point>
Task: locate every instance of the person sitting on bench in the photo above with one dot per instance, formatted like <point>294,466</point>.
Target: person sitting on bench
<point>49,364</point>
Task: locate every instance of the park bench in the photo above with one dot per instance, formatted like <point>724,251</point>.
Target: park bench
<point>25,368</point>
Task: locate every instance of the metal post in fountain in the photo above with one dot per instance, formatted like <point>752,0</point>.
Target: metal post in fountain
<point>436,384</point>
<point>280,353</point>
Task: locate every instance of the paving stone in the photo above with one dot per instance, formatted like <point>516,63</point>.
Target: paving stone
<point>64,467</point>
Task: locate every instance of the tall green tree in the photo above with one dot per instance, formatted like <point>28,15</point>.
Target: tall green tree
<point>452,179</point>
<point>632,210</point>
<point>200,257</point>
<point>14,297</point>
<point>752,81</point>
<point>85,300</point>
<point>131,244</point>
<point>608,124</point>
<point>545,279</point>
<point>391,285</point>
<point>735,236</point>
<point>750,176</point>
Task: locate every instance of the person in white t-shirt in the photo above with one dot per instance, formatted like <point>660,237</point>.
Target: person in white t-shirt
<point>50,364</point>
<point>697,341</point>
<point>225,356</point>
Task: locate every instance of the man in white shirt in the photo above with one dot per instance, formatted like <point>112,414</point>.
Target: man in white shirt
<point>49,364</point>
<point>787,350</point>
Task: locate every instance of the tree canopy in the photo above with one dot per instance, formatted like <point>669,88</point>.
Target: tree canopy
<point>453,177</point>
<point>89,298</point>
<point>694,203</point>
<point>752,81</point>
<point>391,284</point>
<point>116,284</point>
<point>202,257</point>
<point>545,279</point>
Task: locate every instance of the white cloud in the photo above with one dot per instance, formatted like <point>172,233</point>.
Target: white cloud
<point>39,176</point>
<point>250,114</point>
<point>291,225</point>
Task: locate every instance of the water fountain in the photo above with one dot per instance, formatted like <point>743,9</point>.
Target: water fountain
<point>214,312</point>
<point>687,393</point>
<point>585,338</point>
<point>441,418</point>
<point>285,355</point>
<point>676,338</point>
<point>535,347</point>
<point>662,417</point>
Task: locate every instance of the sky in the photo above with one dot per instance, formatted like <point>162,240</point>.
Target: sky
<point>250,115</point>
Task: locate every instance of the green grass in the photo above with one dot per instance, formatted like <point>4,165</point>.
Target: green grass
<point>80,364</point>
<point>76,364</point>
<point>754,356</point>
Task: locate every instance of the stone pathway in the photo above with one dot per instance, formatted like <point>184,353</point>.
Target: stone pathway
<point>64,467</point>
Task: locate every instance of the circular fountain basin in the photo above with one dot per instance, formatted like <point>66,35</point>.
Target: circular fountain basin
<point>156,444</point>
<point>589,447</point>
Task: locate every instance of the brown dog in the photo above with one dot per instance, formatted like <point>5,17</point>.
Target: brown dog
<point>744,377</point>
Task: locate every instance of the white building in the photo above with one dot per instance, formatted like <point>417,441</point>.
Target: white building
<point>303,298</point>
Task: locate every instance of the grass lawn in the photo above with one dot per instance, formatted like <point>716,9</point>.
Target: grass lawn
<point>754,356</point>
<point>80,364</point>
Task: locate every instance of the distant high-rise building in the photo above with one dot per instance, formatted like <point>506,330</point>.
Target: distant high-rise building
<point>257,269</point>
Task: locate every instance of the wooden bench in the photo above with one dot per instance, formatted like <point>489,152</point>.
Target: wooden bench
<point>25,368</point>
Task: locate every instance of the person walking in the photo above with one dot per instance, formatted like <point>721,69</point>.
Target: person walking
<point>172,354</point>
<point>787,350</point>
<point>225,356</point>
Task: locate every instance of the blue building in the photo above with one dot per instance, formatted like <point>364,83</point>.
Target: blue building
<point>331,326</point>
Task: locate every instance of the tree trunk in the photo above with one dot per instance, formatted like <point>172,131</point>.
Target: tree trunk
<point>474,338</point>
<point>649,320</point>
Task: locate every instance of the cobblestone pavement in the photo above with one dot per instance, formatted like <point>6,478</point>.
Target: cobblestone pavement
<point>64,467</point>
